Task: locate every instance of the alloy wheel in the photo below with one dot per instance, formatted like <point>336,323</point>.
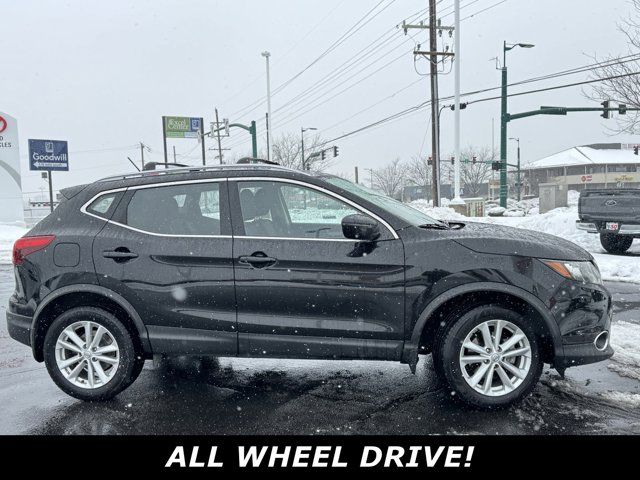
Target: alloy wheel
<point>495,357</point>
<point>87,354</point>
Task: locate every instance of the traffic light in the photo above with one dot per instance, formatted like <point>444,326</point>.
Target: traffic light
<point>495,166</point>
<point>335,151</point>
<point>453,159</point>
<point>622,109</point>
<point>324,154</point>
<point>474,159</point>
<point>635,150</point>
<point>429,161</point>
<point>605,109</point>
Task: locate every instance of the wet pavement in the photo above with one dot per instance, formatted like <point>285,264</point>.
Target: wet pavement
<point>245,396</point>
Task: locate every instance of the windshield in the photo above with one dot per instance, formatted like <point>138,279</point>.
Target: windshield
<point>399,209</point>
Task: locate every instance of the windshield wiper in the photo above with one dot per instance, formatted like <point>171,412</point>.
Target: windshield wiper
<point>436,226</point>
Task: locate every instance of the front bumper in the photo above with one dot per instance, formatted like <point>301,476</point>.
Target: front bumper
<point>581,354</point>
<point>19,327</point>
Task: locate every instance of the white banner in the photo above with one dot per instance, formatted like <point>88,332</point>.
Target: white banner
<point>11,207</point>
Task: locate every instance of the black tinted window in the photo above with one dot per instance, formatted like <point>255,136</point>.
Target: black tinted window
<point>192,209</point>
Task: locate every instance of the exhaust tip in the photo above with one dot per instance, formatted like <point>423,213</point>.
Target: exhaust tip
<point>601,342</point>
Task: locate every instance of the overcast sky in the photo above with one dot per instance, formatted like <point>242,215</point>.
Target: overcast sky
<point>101,74</point>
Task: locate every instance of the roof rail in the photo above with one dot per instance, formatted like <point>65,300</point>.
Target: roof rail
<point>184,170</point>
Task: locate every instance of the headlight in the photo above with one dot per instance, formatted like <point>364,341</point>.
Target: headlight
<point>585,272</point>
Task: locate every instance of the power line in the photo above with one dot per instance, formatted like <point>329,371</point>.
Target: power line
<point>298,98</point>
<point>420,106</point>
<point>345,36</point>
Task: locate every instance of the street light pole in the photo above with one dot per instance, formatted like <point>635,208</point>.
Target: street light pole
<point>504,120</point>
<point>456,129</point>
<point>302,130</point>
<point>266,55</point>
<point>519,185</point>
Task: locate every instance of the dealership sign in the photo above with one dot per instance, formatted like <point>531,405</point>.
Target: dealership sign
<point>182,127</point>
<point>10,180</point>
<point>52,155</point>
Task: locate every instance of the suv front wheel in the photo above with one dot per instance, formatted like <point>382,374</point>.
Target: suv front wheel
<point>90,355</point>
<point>489,357</point>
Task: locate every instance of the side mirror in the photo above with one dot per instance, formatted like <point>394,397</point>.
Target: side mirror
<point>360,227</point>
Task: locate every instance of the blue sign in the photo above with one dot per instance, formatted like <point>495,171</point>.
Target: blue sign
<point>52,155</point>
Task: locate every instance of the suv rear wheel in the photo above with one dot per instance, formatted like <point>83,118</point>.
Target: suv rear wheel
<point>614,243</point>
<point>489,357</point>
<point>90,355</point>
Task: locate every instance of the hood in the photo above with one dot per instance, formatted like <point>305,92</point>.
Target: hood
<point>501,240</point>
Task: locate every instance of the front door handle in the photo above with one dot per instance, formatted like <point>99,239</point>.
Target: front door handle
<point>119,255</point>
<point>257,260</point>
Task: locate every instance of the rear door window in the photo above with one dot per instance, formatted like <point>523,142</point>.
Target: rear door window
<point>189,209</point>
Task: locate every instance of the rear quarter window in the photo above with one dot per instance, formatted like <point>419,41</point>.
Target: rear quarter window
<point>104,205</point>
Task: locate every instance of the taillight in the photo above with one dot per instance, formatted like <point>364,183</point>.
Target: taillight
<point>27,245</point>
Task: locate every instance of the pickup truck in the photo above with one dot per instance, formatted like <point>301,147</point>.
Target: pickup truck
<point>613,213</point>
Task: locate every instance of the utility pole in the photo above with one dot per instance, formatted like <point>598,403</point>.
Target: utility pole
<point>218,135</point>
<point>174,154</point>
<point>266,55</point>
<point>142,154</point>
<point>356,174</point>
<point>435,127</point>
<point>433,55</point>
<point>202,145</point>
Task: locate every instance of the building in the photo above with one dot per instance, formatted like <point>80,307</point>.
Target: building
<point>600,165</point>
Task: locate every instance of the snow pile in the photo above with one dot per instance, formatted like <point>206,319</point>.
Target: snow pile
<point>439,213</point>
<point>8,235</point>
<point>496,211</point>
<point>625,340</point>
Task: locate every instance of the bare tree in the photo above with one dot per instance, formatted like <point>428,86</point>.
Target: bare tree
<point>287,147</point>
<point>391,178</point>
<point>474,175</point>
<point>418,170</point>
<point>626,87</point>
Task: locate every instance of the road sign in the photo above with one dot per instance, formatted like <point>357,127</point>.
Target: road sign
<point>181,127</point>
<point>52,155</point>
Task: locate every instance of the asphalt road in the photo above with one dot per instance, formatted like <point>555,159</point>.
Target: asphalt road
<point>242,396</point>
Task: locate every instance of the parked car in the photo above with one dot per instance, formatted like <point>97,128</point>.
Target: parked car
<point>223,261</point>
<point>613,213</point>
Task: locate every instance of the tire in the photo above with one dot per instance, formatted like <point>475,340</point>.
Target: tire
<point>448,354</point>
<point>614,243</point>
<point>119,368</point>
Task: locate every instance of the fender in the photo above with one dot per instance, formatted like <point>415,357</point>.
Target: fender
<point>97,289</point>
<point>410,350</point>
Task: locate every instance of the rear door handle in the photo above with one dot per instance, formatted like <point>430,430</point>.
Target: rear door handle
<point>257,260</point>
<point>119,255</point>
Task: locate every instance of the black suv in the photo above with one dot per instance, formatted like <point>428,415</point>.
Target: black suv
<point>263,261</point>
